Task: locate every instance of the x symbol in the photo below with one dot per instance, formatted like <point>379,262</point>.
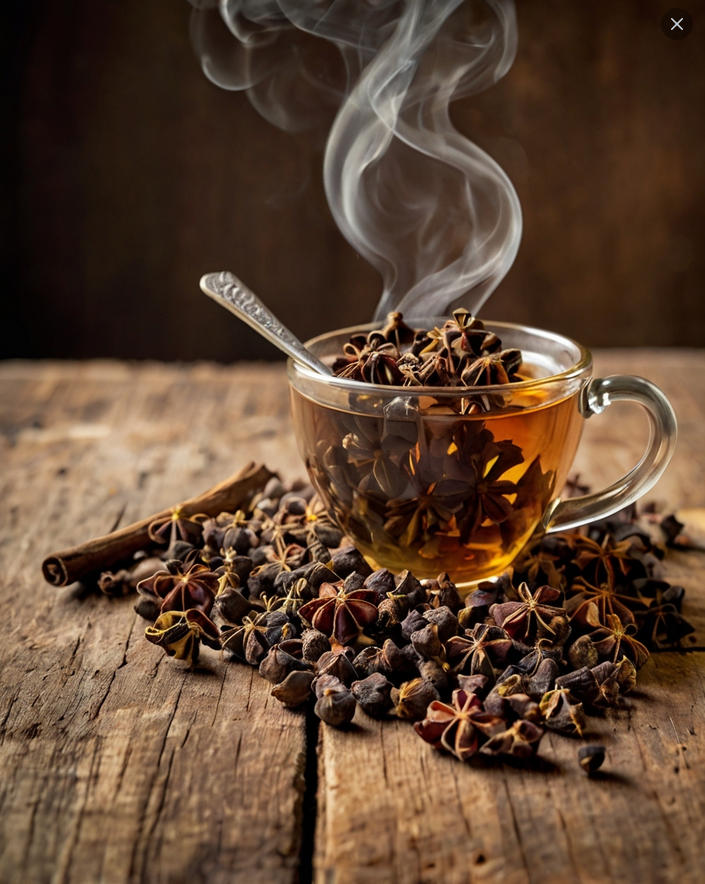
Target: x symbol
<point>676,24</point>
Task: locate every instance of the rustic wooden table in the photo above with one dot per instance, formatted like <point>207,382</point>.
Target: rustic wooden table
<point>118,764</point>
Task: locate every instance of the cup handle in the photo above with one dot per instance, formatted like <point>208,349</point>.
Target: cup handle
<point>598,393</point>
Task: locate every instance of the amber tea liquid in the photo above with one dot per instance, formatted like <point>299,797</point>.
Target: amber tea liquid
<point>437,491</point>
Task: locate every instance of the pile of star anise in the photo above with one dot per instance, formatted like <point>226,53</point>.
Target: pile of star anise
<point>462,353</point>
<point>277,587</point>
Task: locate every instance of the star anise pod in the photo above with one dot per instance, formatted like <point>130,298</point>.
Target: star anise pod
<point>180,634</point>
<point>182,588</point>
<point>616,640</point>
<point>522,619</point>
<point>481,462</point>
<point>493,368</point>
<point>604,562</point>
<point>521,740</point>
<point>339,613</point>
<point>374,363</point>
<point>248,642</point>
<point>479,651</point>
<point>379,471</point>
<point>435,503</point>
<point>396,331</point>
<point>458,727</point>
<point>177,526</point>
<point>663,626</point>
<point>588,605</point>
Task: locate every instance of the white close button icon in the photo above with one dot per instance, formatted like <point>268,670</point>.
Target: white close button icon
<point>676,24</point>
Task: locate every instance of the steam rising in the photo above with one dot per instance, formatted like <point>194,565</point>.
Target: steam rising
<point>432,212</point>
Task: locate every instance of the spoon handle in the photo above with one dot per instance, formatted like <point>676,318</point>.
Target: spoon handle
<point>227,290</point>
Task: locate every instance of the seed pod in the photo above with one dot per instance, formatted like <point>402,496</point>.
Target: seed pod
<point>542,680</point>
<point>338,665</point>
<point>590,758</point>
<point>335,705</point>
<point>445,620</point>
<point>583,653</point>
<point>413,697</point>
<point>582,684</point>
<point>295,689</point>
<point>561,715</point>
<point>412,588</point>
<point>315,643</point>
<point>349,559</point>
<point>434,672</point>
<point>474,684</point>
<point>373,694</point>
<point>278,664</point>
<point>413,621</point>
<point>382,581</point>
<point>427,642</point>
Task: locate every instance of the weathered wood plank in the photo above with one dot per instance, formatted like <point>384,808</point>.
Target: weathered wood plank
<point>393,809</point>
<point>117,764</point>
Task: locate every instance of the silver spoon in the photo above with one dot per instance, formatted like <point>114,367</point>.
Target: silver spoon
<point>229,292</point>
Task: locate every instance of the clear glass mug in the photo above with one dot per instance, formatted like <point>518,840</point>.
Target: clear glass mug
<point>457,479</point>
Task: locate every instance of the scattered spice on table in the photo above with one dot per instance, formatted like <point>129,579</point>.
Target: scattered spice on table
<point>558,638</point>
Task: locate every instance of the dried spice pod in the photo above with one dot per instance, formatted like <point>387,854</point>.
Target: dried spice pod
<point>125,581</point>
<point>542,680</point>
<point>583,652</point>
<point>591,758</point>
<point>581,683</point>
<point>181,587</point>
<point>562,714</point>
<point>247,642</point>
<point>314,645</point>
<point>337,664</point>
<point>278,664</point>
<point>373,694</point>
<point>413,697</point>
<point>520,740</point>
<point>335,705</point>
<point>340,613</point>
<point>180,634</point>
<point>295,689</point>
<point>521,619</point>
<point>445,620</point>
<point>458,727</point>
<point>434,672</point>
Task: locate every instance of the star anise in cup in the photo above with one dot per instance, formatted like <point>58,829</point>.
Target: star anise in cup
<point>481,462</point>
<point>372,360</point>
<point>435,503</point>
<point>523,619</point>
<point>185,587</point>
<point>494,368</point>
<point>458,727</point>
<point>177,526</point>
<point>339,613</point>
<point>180,634</point>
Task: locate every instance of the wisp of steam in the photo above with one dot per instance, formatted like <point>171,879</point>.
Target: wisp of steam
<point>429,209</point>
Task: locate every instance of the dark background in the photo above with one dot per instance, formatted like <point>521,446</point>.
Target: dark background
<point>127,175</point>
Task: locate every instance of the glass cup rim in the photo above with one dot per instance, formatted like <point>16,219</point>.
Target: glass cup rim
<point>583,362</point>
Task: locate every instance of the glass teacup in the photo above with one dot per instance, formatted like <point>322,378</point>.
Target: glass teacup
<point>457,479</point>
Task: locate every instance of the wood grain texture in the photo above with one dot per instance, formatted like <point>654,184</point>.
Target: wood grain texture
<point>119,765</point>
<point>116,763</point>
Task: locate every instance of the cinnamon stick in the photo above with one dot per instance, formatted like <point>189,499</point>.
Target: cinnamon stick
<point>101,553</point>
